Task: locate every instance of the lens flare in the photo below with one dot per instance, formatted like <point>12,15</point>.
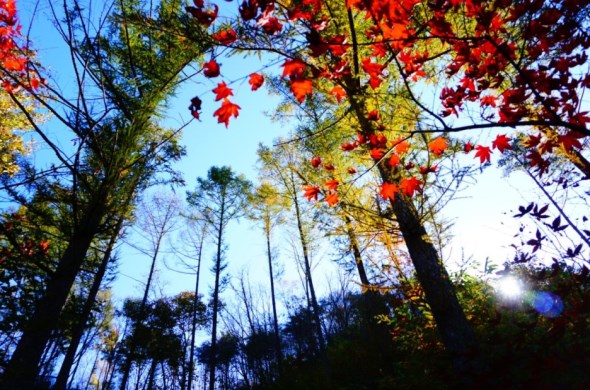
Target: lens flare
<point>547,304</point>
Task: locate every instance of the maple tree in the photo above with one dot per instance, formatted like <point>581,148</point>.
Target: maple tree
<point>519,74</point>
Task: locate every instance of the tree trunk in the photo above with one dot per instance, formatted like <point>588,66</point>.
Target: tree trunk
<point>191,364</point>
<point>141,314</point>
<point>277,338</point>
<point>314,303</point>
<point>452,324</point>
<point>22,370</point>
<point>213,357</point>
<point>62,377</point>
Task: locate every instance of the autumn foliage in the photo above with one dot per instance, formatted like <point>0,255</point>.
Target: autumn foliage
<point>517,63</point>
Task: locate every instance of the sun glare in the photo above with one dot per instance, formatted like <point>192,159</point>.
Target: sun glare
<point>509,287</point>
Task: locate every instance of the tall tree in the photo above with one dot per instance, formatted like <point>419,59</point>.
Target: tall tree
<point>267,207</point>
<point>220,198</point>
<point>157,217</point>
<point>124,69</point>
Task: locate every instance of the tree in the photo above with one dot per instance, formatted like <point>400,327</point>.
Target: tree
<point>266,208</point>
<point>156,219</point>
<point>119,145</point>
<point>219,198</point>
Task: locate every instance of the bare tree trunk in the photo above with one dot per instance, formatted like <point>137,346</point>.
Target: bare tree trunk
<point>191,364</point>
<point>277,338</point>
<point>213,357</point>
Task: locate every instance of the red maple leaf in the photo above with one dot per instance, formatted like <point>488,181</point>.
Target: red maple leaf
<point>467,147</point>
<point>205,18</point>
<point>211,69</point>
<point>311,192</point>
<point>348,146</point>
<point>438,146</point>
<point>256,80</point>
<point>410,186</point>
<point>373,115</point>
<point>294,68</point>
<point>388,190</point>
<point>377,154</point>
<point>225,112</point>
<point>301,88</point>
<point>329,167</point>
<point>502,142</point>
<point>425,170</point>
<point>222,91</point>
<point>316,162</point>
<point>483,152</point>
<point>571,140</point>
<point>394,160</point>
<point>331,198</point>
<point>331,185</point>
<point>351,170</point>
<point>226,37</point>
<point>401,145</point>
<point>338,92</point>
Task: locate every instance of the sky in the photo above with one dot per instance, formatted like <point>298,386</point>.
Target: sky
<point>483,226</point>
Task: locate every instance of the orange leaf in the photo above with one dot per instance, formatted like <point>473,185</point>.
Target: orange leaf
<point>438,146</point>
<point>502,142</point>
<point>256,81</point>
<point>410,186</point>
<point>225,112</point>
<point>388,191</point>
<point>311,192</point>
<point>294,68</point>
<point>301,88</point>
<point>401,145</point>
<point>394,160</point>
<point>211,69</point>
<point>331,185</point>
<point>226,37</point>
<point>338,92</point>
<point>483,152</point>
<point>222,91</point>
<point>377,154</point>
<point>332,198</point>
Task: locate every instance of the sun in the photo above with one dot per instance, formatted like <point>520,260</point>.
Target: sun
<point>509,287</point>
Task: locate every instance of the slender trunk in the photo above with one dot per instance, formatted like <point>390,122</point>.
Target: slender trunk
<point>314,303</point>
<point>78,331</point>
<point>78,358</point>
<point>277,338</point>
<point>356,252</point>
<point>22,370</point>
<point>191,364</point>
<point>151,375</point>
<point>141,314</point>
<point>213,357</point>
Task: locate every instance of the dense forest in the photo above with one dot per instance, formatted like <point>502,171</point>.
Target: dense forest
<point>393,108</point>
